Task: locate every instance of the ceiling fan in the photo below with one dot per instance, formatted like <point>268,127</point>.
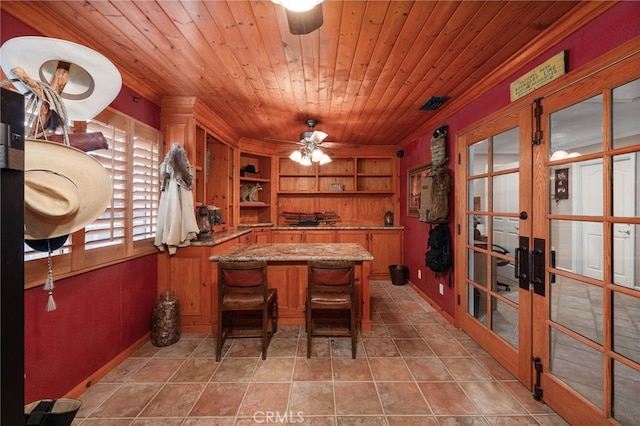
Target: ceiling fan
<point>310,143</point>
<point>303,17</point>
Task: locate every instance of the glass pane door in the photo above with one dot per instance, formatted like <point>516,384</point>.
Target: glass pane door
<point>587,322</point>
<point>496,311</point>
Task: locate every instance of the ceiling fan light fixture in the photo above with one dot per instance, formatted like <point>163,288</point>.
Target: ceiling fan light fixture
<point>306,161</point>
<point>325,159</point>
<point>298,5</point>
<point>296,156</point>
<point>317,155</point>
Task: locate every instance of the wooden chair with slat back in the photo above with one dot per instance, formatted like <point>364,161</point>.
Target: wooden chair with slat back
<point>242,289</point>
<point>330,289</point>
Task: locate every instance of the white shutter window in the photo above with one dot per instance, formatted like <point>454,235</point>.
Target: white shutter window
<point>109,229</point>
<point>145,190</point>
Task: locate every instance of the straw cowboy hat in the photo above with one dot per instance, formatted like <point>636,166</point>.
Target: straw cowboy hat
<point>65,189</point>
<point>94,81</point>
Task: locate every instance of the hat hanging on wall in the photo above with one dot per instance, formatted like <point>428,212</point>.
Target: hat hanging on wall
<point>65,189</point>
<point>94,81</point>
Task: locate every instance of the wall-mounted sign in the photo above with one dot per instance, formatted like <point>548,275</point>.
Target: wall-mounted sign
<point>546,72</point>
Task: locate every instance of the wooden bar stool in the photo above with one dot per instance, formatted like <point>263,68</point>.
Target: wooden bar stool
<point>330,289</point>
<point>242,288</point>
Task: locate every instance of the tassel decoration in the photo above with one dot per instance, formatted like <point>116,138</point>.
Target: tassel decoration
<point>48,285</point>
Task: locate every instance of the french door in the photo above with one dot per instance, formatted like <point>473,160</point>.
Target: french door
<point>550,245</point>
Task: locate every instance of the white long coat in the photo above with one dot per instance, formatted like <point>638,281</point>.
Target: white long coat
<point>177,224</point>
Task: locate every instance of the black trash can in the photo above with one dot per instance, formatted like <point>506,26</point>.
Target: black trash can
<point>51,412</point>
<point>399,274</point>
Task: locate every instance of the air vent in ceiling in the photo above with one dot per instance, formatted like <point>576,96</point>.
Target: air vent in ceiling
<point>434,103</point>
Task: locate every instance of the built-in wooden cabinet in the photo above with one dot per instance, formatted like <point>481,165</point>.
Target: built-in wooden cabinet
<point>209,143</point>
<point>303,236</point>
<point>262,234</point>
<point>189,275</point>
<point>384,245</point>
<point>257,209</point>
<point>343,174</point>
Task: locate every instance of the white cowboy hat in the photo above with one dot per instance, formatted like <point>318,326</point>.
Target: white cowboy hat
<point>94,81</point>
<point>65,189</point>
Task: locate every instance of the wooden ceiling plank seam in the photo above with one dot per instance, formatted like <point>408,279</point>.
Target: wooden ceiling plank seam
<point>474,33</point>
<point>397,14</point>
<point>310,44</point>
<point>429,34</point>
<point>274,56</point>
<point>200,15</point>
<point>356,94</point>
<point>350,25</point>
<point>439,49</point>
<point>153,45</point>
<point>292,50</point>
<point>580,14</point>
<point>398,48</point>
<point>240,20</point>
<point>328,54</point>
<point>502,54</point>
<point>372,24</point>
<point>185,33</point>
<point>475,54</point>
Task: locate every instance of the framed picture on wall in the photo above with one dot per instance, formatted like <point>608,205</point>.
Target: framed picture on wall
<point>414,185</point>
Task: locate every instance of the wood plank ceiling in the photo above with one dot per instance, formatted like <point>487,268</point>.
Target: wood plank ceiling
<point>363,75</point>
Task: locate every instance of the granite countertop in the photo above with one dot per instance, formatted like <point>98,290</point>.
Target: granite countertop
<point>336,227</point>
<point>290,252</point>
<point>221,237</point>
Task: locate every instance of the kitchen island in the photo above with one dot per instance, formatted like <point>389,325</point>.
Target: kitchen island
<point>287,271</point>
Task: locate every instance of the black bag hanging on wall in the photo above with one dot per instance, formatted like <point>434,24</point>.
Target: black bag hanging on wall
<point>439,257</point>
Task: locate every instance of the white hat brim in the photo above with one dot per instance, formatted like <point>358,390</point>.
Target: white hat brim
<point>92,182</point>
<point>82,102</point>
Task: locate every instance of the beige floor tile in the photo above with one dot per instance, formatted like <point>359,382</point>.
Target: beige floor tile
<point>312,398</point>
<point>414,368</point>
<point>195,370</point>
<point>127,401</point>
<point>219,399</point>
<point>156,370</point>
<point>174,400</point>
<point>356,398</point>
<point>312,369</point>
<point>351,370</point>
<point>447,398</point>
<point>402,398</point>
<point>264,399</point>
<point>389,369</point>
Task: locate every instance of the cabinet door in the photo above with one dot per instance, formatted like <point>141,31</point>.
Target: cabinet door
<point>359,237</point>
<point>319,236</point>
<point>190,279</point>
<point>287,236</point>
<point>262,235</point>
<point>386,248</point>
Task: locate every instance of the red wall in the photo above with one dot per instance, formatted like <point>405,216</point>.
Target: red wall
<point>609,30</point>
<point>100,313</point>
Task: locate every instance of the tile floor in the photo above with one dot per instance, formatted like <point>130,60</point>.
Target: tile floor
<point>414,368</point>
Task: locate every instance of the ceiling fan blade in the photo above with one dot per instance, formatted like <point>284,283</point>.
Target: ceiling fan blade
<point>301,23</point>
<point>318,136</point>
<point>330,144</point>
<point>283,140</point>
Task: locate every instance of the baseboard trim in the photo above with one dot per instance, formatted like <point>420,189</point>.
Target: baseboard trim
<point>105,369</point>
<point>434,305</point>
